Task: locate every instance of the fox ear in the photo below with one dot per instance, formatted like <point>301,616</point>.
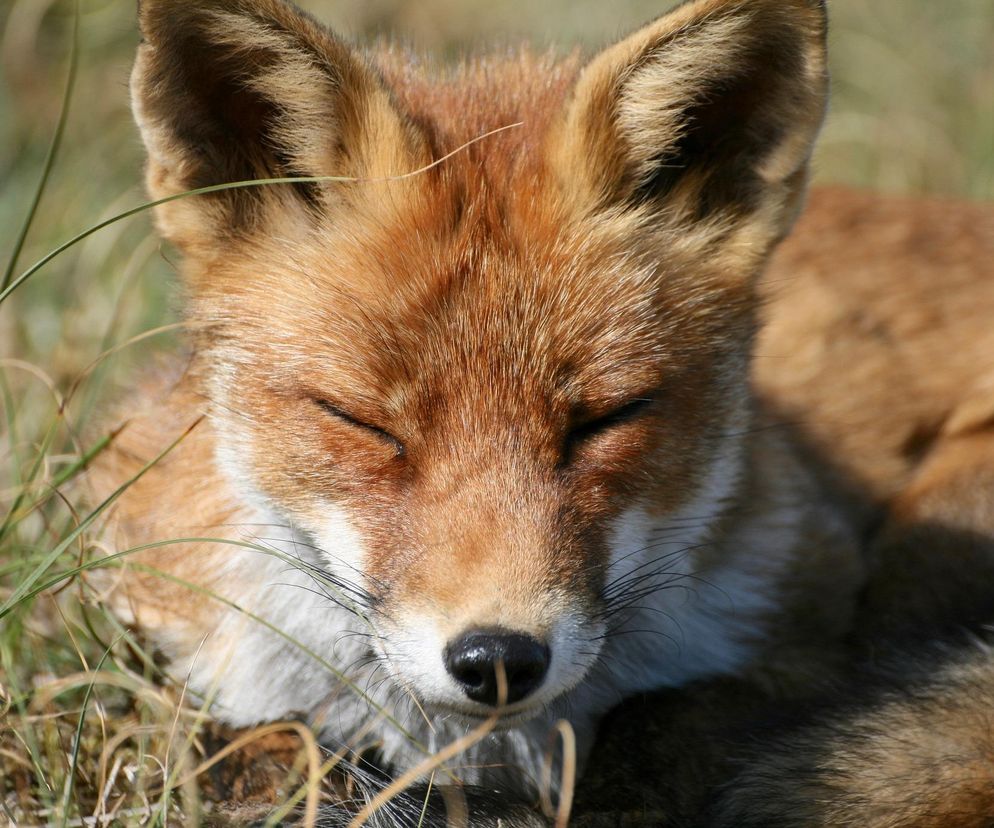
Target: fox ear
<point>710,112</point>
<point>232,90</point>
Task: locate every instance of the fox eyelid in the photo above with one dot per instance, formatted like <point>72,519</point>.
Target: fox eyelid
<point>623,414</point>
<point>330,408</point>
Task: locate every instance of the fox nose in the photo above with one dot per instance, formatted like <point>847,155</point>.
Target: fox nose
<point>472,661</point>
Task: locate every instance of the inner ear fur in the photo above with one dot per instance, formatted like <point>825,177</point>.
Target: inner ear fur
<point>233,90</point>
<point>708,113</point>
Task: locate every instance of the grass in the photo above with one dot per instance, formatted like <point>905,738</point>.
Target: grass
<point>91,729</point>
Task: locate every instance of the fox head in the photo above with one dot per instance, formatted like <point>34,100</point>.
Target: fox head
<point>505,339</point>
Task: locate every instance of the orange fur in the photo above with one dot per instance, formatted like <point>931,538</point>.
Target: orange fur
<point>511,390</point>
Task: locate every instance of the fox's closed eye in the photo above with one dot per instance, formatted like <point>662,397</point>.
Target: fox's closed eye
<point>340,414</point>
<point>587,429</point>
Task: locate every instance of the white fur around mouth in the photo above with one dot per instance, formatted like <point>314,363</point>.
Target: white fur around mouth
<point>504,719</point>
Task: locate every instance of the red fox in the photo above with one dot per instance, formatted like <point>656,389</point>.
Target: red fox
<point>473,424</point>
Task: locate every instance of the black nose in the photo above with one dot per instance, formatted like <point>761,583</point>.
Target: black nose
<point>472,661</point>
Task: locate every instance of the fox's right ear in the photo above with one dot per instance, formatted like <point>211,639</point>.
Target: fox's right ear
<point>232,90</point>
<point>705,117</point>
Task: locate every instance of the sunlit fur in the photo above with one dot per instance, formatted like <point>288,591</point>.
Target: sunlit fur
<point>415,388</point>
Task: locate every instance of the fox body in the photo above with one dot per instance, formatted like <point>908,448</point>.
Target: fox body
<point>470,419</point>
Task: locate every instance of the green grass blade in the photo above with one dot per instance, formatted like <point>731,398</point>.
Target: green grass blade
<point>74,759</point>
<point>53,149</point>
<point>25,586</point>
<point>10,414</point>
<point>61,479</point>
<point>106,560</point>
<point>149,205</point>
<point>232,185</point>
<point>39,461</point>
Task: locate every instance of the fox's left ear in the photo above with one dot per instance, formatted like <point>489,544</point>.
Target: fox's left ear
<point>709,113</point>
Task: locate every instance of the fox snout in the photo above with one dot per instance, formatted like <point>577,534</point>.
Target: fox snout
<point>489,664</point>
<point>481,670</point>
<point>486,640</point>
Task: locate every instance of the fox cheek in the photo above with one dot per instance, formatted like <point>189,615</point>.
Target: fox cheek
<point>343,547</point>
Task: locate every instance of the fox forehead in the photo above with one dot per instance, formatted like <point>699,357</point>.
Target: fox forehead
<point>516,291</point>
<point>481,266</point>
<point>549,313</point>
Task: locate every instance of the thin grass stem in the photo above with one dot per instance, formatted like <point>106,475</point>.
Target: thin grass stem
<point>53,149</point>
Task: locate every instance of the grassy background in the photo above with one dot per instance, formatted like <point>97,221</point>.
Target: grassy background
<point>912,111</point>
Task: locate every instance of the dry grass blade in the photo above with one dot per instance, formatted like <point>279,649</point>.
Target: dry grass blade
<point>560,812</point>
<point>315,770</point>
<point>425,767</point>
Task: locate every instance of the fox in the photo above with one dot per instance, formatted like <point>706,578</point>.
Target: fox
<point>503,402</point>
